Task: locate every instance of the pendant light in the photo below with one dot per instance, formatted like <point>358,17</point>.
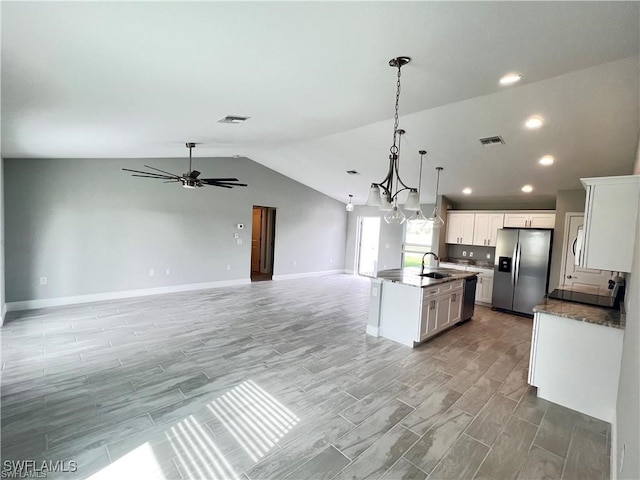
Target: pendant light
<point>418,217</point>
<point>435,217</point>
<point>349,205</point>
<point>385,193</point>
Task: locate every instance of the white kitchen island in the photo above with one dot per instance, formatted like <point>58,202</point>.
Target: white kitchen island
<point>409,309</point>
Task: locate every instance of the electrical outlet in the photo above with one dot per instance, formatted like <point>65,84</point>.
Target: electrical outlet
<point>152,272</point>
<point>295,263</point>
<point>470,254</point>
<point>464,253</point>
<point>228,267</point>
<point>236,235</point>
<point>167,272</point>
<point>43,280</point>
<point>488,256</point>
<point>239,241</point>
<point>331,260</point>
<point>386,245</point>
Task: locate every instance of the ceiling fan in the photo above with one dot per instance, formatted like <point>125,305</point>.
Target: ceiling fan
<point>189,179</point>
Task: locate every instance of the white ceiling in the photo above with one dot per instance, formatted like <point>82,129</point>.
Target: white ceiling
<point>138,79</point>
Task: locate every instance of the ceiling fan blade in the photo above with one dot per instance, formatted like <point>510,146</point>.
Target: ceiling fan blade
<point>157,178</point>
<point>167,173</point>
<point>171,181</point>
<point>219,179</point>
<point>145,173</point>
<point>226,184</point>
<point>194,174</point>
<point>218,185</point>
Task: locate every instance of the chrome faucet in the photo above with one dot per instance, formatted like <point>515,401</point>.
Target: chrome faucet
<point>422,264</point>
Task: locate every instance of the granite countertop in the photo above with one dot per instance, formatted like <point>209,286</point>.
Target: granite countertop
<point>411,276</point>
<point>585,313</point>
<point>469,263</point>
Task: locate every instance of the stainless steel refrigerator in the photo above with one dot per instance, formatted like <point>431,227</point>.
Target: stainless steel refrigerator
<point>521,273</point>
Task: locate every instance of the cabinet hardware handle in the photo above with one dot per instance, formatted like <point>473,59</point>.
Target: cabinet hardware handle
<point>432,305</point>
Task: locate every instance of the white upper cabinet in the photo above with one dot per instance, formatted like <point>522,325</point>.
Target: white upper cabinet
<point>460,228</point>
<point>530,219</point>
<point>486,226</point>
<point>611,214</point>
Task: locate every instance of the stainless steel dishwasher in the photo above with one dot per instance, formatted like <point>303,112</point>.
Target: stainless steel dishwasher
<point>468,297</point>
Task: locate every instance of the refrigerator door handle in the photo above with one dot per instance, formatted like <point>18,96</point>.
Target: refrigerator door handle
<point>516,268</point>
<point>513,266</point>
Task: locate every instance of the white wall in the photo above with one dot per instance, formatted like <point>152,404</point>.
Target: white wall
<point>628,406</point>
<point>91,228</point>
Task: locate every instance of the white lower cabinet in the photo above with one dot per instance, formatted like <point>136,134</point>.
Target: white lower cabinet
<point>441,308</point>
<point>484,288</point>
<point>576,364</point>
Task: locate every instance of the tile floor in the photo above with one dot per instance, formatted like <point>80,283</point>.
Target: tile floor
<point>278,380</point>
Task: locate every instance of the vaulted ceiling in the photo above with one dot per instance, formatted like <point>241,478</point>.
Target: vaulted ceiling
<point>139,79</point>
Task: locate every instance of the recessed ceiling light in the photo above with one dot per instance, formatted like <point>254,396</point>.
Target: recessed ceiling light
<point>546,160</point>
<point>467,191</point>
<point>534,122</point>
<point>510,79</point>
<point>527,189</point>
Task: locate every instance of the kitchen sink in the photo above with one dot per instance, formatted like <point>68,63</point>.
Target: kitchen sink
<point>436,275</point>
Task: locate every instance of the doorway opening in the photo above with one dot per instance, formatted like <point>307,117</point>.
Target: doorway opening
<point>263,230</point>
<point>368,240</point>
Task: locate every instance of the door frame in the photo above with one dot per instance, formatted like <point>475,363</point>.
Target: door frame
<point>267,239</point>
<point>359,229</point>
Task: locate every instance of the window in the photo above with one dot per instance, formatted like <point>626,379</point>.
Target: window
<point>417,241</point>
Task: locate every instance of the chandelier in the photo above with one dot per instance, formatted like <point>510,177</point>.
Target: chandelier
<point>385,193</point>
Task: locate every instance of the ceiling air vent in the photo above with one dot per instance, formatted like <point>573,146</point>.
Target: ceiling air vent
<point>488,141</point>
<point>353,172</point>
<point>233,119</point>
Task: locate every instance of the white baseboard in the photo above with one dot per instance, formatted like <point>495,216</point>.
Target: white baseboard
<point>307,274</point>
<point>374,331</point>
<point>99,297</point>
<point>349,272</point>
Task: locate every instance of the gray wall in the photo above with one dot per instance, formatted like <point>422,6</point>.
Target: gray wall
<point>91,228</point>
<point>2,294</point>
<point>566,201</point>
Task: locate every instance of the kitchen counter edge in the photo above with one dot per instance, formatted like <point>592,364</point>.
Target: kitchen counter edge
<point>410,276</point>
<point>605,317</point>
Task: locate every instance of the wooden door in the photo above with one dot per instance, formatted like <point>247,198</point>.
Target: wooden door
<point>256,235</point>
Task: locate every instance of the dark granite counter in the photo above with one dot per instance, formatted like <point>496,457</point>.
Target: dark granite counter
<point>581,312</point>
<point>411,276</point>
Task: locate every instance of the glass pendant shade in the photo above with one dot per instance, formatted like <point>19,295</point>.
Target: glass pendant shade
<point>386,204</point>
<point>374,197</point>
<point>436,219</point>
<point>395,215</point>
<point>349,205</point>
<point>413,202</point>
<point>417,218</point>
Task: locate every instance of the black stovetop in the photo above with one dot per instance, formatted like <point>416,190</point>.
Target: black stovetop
<point>586,298</point>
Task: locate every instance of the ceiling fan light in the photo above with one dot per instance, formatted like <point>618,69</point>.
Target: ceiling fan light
<point>374,196</point>
<point>413,202</point>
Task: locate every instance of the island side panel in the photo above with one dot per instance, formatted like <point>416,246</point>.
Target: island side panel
<point>375,297</point>
<point>577,364</point>
<point>400,312</point>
